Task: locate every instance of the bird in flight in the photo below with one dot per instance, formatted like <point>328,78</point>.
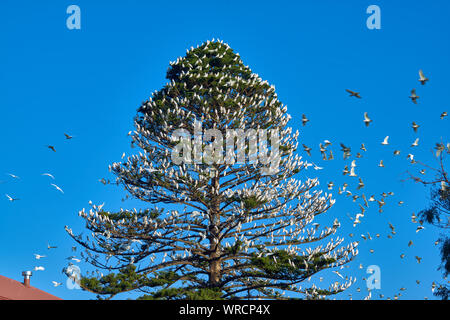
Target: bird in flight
<point>56,284</point>
<point>367,120</point>
<point>363,196</point>
<point>13,176</point>
<point>346,150</point>
<point>74,259</point>
<point>305,120</point>
<point>307,150</point>
<point>360,184</point>
<point>345,171</point>
<point>11,198</point>
<point>52,148</point>
<point>415,143</point>
<point>414,96</point>
<point>104,181</point>
<point>422,78</point>
<point>68,137</point>
<point>439,148</point>
<point>39,268</point>
<point>337,273</point>
<point>57,188</point>
<point>330,185</point>
<point>323,151</point>
<point>353,93</point>
<point>433,286</point>
<point>51,247</point>
<point>49,175</point>
<point>444,114</point>
<point>385,141</point>
<point>316,167</point>
<point>38,256</point>
<point>331,156</point>
<point>392,228</point>
<point>415,126</point>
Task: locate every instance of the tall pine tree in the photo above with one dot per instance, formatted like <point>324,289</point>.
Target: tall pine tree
<point>227,229</point>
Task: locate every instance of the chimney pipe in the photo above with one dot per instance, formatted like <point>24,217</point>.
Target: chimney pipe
<point>26,278</point>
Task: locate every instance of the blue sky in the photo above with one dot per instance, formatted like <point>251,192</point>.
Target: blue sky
<point>89,83</point>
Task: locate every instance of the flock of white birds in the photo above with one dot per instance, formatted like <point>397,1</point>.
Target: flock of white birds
<point>326,155</point>
<point>343,190</point>
<point>49,247</point>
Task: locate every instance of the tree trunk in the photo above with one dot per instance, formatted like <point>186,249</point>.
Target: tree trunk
<point>215,269</point>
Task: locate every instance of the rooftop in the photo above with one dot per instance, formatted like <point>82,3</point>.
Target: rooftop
<point>14,290</point>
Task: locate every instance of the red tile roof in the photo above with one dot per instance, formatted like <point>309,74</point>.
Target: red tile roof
<point>14,290</point>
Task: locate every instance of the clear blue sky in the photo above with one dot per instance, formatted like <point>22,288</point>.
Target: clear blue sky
<point>89,83</point>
